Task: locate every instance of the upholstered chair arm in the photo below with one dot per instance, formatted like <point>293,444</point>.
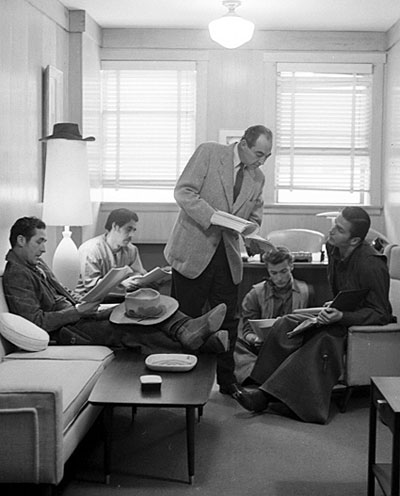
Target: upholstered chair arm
<point>31,439</point>
<point>372,351</point>
<point>388,328</point>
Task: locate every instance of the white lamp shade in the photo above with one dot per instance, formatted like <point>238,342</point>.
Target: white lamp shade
<point>231,30</point>
<point>66,200</point>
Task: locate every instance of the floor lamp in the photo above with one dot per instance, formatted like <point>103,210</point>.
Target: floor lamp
<point>66,200</point>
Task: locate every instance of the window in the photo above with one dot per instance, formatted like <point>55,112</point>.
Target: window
<point>148,127</point>
<point>323,133</point>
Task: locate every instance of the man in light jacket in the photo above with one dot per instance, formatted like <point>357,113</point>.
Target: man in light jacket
<point>206,261</point>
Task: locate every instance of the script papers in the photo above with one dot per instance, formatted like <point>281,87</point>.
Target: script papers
<point>244,227</point>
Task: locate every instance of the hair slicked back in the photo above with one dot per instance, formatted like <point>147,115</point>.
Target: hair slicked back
<point>120,216</point>
<point>25,226</point>
<point>359,219</point>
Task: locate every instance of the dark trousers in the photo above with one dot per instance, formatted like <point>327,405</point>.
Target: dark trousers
<point>212,287</point>
<point>158,338</point>
<point>302,371</point>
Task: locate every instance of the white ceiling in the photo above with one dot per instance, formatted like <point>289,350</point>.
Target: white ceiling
<point>332,15</point>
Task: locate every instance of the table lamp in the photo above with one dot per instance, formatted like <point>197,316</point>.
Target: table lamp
<point>66,199</point>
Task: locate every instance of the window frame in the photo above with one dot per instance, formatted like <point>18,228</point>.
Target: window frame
<point>377,60</point>
<point>162,59</point>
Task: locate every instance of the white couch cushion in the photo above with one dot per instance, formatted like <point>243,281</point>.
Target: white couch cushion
<point>23,333</point>
<point>74,378</point>
<point>95,353</point>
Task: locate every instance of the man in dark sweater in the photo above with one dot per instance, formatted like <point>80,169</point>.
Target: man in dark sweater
<point>301,371</point>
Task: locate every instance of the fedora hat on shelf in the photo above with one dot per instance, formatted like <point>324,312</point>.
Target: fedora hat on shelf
<point>145,306</point>
<point>67,130</point>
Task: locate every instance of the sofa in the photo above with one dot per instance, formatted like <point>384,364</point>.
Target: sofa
<point>44,408</point>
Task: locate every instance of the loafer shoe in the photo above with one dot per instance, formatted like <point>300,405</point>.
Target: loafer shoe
<point>252,399</point>
<point>195,332</point>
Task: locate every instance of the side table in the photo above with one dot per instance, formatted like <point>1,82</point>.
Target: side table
<point>119,385</point>
<point>385,401</point>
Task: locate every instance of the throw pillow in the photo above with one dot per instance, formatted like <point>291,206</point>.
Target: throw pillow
<point>23,333</point>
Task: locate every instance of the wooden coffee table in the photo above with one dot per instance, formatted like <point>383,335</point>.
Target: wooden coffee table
<point>119,385</point>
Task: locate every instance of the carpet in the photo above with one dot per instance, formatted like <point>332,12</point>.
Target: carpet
<point>237,453</point>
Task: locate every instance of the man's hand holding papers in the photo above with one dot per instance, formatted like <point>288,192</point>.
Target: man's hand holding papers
<point>230,221</point>
<point>254,242</point>
<point>346,300</point>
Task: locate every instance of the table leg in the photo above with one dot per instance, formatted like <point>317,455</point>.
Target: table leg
<point>371,444</point>
<point>395,457</point>
<point>190,420</point>
<point>108,421</point>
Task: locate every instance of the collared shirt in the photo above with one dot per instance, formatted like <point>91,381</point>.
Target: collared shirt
<point>259,302</point>
<point>97,258</point>
<point>236,162</point>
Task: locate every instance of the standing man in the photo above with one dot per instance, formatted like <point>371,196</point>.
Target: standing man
<point>206,262</point>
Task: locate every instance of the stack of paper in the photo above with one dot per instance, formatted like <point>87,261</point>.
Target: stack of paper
<point>156,275</point>
<point>111,279</point>
<point>230,221</point>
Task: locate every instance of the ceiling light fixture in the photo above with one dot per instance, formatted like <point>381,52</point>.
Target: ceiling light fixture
<point>231,30</point>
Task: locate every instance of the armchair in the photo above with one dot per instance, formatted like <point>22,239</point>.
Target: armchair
<point>375,350</point>
<point>298,239</point>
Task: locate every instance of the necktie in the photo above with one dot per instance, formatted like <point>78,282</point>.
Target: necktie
<point>238,182</point>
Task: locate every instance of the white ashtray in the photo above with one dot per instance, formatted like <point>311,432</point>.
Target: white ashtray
<point>171,362</point>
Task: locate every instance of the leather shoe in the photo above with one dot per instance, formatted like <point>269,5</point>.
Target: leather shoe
<point>251,398</point>
<point>194,332</point>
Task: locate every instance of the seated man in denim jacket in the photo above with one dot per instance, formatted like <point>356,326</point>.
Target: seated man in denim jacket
<point>278,295</point>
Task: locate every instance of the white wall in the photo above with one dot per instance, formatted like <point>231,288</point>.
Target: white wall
<point>32,35</point>
<point>239,93</point>
<point>35,33</point>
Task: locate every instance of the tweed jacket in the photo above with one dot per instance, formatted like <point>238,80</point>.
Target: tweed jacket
<point>206,185</point>
<point>32,296</point>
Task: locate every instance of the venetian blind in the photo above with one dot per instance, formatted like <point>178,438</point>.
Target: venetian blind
<point>323,135</point>
<point>148,124</point>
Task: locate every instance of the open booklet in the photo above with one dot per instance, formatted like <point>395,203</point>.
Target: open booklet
<point>263,243</point>
<point>157,275</point>
<point>345,301</point>
<point>113,277</point>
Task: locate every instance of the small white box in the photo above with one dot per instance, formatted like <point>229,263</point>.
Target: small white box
<point>151,381</point>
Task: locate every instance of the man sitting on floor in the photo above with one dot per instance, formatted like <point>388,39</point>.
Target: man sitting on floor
<point>278,295</point>
<point>32,291</point>
<point>301,371</point>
